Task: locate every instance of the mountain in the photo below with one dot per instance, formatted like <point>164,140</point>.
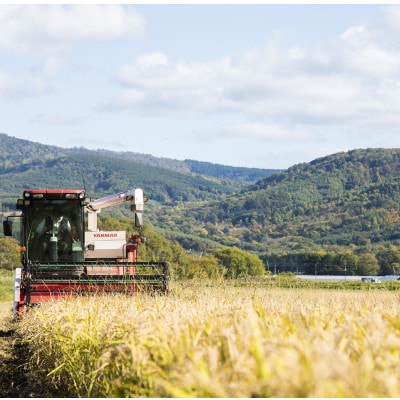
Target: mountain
<point>25,164</point>
<point>239,174</point>
<point>344,201</point>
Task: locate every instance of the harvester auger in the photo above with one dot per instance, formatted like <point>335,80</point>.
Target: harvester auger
<point>61,257</point>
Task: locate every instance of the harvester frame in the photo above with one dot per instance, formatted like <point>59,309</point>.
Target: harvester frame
<point>62,257</point>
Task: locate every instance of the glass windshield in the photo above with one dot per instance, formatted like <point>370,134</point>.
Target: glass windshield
<point>54,231</point>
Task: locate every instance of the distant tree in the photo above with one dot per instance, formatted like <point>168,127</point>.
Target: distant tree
<point>10,256</point>
<point>389,261</point>
<point>346,263</point>
<point>239,263</point>
<point>367,264</point>
<point>312,262</point>
<point>204,267</point>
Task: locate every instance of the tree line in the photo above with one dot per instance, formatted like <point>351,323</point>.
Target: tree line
<point>226,262</point>
<point>384,262</point>
<point>232,262</point>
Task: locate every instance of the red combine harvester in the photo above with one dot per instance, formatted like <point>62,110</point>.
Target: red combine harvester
<point>62,258</point>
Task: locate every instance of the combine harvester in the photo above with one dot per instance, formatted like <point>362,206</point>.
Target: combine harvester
<point>62,258</point>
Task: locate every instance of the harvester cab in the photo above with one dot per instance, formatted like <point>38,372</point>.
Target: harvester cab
<point>62,257</point>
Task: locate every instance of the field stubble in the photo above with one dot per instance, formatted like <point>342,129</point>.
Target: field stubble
<point>219,341</point>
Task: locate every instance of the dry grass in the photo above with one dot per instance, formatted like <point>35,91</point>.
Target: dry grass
<point>220,341</point>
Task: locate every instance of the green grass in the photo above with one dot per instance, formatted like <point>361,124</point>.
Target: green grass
<point>291,282</point>
<point>6,285</point>
<point>219,340</point>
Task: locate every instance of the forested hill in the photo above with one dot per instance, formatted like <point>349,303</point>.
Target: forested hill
<point>219,171</point>
<point>26,164</point>
<point>348,169</point>
<point>240,174</point>
<point>346,200</point>
<point>15,153</point>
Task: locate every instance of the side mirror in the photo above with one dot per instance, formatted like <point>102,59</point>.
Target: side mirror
<point>7,228</point>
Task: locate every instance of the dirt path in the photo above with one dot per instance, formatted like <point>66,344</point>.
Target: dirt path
<point>13,377</point>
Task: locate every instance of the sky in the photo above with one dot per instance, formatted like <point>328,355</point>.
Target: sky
<point>257,85</point>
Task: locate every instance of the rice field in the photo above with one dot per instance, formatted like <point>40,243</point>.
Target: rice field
<point>219,341</point>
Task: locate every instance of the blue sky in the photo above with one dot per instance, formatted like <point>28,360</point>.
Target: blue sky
<point>260,85</point>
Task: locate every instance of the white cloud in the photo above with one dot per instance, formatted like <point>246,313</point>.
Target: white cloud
<point>53,66</point>
<point>392,18</point>
<point>152,60</point>
<point>12,87</point>
<point>37,31</point>
<point>355,34</point>
<point>9,86</point>
<point>50,67</point>
<point>44,119</point>
<point>352,79</point>
<point>151,82</point>
<point>367,52</point>
<point>32,81</point>
<point>38,28</point>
